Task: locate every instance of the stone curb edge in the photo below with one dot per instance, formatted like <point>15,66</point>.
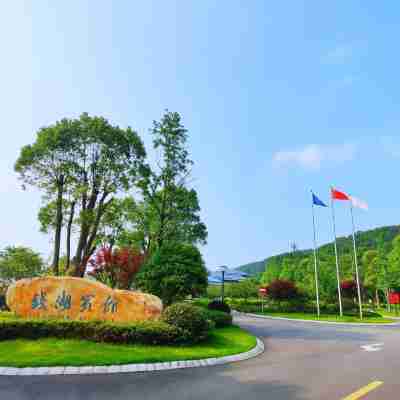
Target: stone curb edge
<point>370,325</point>
<point>117,369</point>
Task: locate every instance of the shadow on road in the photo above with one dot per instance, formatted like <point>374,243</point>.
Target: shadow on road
<point>203,383</point>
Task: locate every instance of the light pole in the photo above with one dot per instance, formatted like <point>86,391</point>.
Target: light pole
<point>222,269</point>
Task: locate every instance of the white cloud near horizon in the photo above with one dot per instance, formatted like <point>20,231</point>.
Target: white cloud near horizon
<point>312,156</point>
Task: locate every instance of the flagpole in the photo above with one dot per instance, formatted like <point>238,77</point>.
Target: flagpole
<point>315,260</point>
<point>356,261</point>
<point>337,259</point>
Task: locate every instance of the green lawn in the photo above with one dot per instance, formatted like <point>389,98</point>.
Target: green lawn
<point>385,313</point>
<point>58,352</point>
<point>329,317</point>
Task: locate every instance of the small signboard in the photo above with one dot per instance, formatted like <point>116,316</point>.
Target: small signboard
<point>262,292</point>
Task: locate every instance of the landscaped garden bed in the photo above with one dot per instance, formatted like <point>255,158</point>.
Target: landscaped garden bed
<point>185,332</point>
<point>71,352</point>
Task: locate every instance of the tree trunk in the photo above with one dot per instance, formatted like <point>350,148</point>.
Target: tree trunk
<point>59,218</point>
<point>85,230</point>
<point>88,235</point>
<point>69,228</point>
<point>377,298</point>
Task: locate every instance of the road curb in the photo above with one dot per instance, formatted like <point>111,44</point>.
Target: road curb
<point>129,368</point>
<point>366,324</point>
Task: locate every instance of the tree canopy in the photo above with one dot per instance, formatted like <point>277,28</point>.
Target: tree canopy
<point>18,263</point>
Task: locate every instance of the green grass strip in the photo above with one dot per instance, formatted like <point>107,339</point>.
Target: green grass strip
<point>57,352</point>
<point>328,317</point>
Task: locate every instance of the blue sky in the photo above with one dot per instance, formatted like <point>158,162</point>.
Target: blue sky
<point>279,97</point>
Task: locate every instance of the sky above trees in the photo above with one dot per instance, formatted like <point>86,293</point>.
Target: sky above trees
<point>278,98</point>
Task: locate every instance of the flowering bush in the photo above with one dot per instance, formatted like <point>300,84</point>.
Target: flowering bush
<point>349,288</point>
<point>281,289</point>
<point>116,268</point>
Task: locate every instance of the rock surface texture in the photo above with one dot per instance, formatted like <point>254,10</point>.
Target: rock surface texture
<point>80,299</point>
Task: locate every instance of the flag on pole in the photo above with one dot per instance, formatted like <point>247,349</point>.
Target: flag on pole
<point>337,195</point>
<point>317,201</point>
<point>359,203</point>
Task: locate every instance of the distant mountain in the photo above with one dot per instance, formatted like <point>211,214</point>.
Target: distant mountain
<point>253,268</point>
<point>366,240</point>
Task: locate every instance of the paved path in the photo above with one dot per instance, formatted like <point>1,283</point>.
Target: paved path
<point>302,361</point>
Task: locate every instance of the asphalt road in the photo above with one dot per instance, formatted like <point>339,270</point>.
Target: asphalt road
<point>301,361</point>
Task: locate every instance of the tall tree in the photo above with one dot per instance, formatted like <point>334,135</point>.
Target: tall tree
<point>110,160</point>
<point>170,210</point>
<point>371,271</point>
<point>47,164</point>
<point>84,163</point>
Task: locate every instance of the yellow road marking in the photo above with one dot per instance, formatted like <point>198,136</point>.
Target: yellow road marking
<point>363,391</point>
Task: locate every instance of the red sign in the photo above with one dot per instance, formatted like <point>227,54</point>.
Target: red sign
<point>262,292</point>
<point>394,298</point>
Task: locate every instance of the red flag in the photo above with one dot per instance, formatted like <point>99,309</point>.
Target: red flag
<point>336,195</point>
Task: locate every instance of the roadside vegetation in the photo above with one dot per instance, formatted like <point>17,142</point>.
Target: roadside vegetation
<point>69,352</point>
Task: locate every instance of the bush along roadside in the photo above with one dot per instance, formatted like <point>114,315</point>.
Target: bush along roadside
<point>181,324</point>
<point>219,318</point>
<point>139,333</point>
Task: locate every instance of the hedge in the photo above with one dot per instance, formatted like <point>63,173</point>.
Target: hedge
<point>151,333</point>
<point>218,305</point>
<point>219,318</point>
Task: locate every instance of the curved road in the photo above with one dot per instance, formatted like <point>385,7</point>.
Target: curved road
<point>301,361</point>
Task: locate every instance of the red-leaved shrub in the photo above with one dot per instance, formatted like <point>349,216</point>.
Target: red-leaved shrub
<point>349,288</point>
<point>281,289</point>
<point>116,267</point>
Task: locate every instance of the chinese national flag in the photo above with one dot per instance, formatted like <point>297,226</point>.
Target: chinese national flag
<point>337,195</point>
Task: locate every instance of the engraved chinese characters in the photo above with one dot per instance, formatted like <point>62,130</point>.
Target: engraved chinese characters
<point>77,298</point>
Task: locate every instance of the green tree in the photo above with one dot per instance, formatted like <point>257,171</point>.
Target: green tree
<point>170,211</point>
<point>174,272</point>
<point>82,163</point>
<point>47,164</point>
<point>18,263</point>
<point>393,267</point>
<point>371,271</point>
<point>245,289</point>
<point>110,161</point>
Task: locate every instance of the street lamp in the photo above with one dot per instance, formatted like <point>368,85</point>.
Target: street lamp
<point>222,269</point>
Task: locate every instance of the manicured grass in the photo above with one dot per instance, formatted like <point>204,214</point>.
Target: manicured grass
<point>385,313</point>
<point>329,317</point>
<point>6,315</point>
<point>58,352</point>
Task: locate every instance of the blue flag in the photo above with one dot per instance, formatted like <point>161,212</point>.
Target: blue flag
<point>317,201</point>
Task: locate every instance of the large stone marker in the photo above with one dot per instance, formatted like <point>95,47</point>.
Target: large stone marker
<point>81,299</point>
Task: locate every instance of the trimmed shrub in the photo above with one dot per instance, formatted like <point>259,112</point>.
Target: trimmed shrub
<point>189,319</point>
<point>154,333</point>
<point>217,305</point>
<point>220,319</point>
<point>174,272</point>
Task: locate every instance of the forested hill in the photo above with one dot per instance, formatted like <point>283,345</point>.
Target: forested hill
<point>379,238</point>
<point>253,268</point>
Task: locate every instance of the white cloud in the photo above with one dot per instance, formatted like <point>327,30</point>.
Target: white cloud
<point>312,156</point>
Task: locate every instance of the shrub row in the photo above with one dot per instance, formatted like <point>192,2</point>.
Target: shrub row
<point>181,323</point>
<point>218,305</point>
<point>139,333</point>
